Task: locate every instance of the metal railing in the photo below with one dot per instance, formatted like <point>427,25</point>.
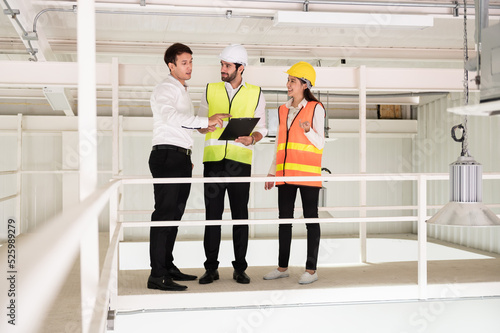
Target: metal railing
<point>49,254</point>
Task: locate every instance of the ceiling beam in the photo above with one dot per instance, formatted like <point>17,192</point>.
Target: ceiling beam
<point>25,19</point>
<point>143,77</point>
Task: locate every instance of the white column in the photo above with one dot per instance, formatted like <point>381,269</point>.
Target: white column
<point>19,175</point>
<point>115,114</point>
<point>362,158</point>
<point>87,119</point>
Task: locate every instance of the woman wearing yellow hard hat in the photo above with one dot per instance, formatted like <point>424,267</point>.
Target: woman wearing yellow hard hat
<point>299,148</point>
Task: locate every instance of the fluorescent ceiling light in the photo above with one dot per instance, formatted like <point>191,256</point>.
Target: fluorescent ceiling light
<point>60,99</point>
<point>296,18</point>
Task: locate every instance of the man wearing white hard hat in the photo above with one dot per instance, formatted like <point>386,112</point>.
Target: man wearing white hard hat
<point>227,158</point>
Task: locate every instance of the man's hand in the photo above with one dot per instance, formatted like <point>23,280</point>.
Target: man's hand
<point>206,130</point>
<point>269,185</point>
<point>246,140</point>
<point>216,119</point>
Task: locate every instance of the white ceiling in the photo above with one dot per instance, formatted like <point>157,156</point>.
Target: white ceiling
<point>141,37</point>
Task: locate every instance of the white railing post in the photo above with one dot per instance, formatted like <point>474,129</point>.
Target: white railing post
<point>422,237</point>
<point>362,160</point>
<point>87,130</point>
<point>113,201</point>
<point>113,224</point>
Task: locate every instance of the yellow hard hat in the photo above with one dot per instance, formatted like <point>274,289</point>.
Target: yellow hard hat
<point>303,70</point>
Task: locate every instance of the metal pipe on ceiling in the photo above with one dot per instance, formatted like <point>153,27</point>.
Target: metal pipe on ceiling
<point>30,50</point>
<point>227,15</point>
<point>370,3</point>
<point>43,11</point>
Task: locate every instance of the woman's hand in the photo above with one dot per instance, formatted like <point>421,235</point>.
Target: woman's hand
<point>306,126</point>
<point>269,185</point>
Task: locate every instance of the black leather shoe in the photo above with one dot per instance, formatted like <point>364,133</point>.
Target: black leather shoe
<point>164,283</point>
<point>241,277</point>
<point>209,276</point>
<point>177,275</point>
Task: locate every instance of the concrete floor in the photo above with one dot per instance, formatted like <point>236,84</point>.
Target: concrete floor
<point>359,282</point>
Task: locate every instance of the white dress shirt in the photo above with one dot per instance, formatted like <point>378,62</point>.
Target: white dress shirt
<point>316,134</point>
<point>173,114</point>
<point>260,111</point>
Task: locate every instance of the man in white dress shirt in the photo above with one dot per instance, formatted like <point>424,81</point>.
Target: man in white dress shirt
<point>173,125</point>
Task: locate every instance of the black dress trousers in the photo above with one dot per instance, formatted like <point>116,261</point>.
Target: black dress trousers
<point>170,202</point>
<point>238,194</point>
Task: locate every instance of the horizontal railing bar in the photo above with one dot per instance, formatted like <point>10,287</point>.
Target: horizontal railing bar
<point>9,197</point>
<point>262,178</point>
<point>321,209</point>
<point>13,172</point>
<point>9,172</point>
<point>52,250</point>
<point>325,178</point>
<point>141,179</point>
<point>267,221</point>
<point>263,210</point>
<point>58,171</point>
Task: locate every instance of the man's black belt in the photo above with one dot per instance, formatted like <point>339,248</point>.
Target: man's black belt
<point>171,147</point>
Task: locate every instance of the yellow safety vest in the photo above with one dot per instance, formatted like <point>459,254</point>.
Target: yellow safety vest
<point>242,105</point>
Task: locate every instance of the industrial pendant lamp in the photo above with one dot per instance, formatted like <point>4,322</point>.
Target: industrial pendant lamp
<point>465,207</point>
<point>466,175</point>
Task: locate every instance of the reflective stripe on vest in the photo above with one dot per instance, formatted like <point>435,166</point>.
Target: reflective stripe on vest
<point>242,105</point>
<point>295,155</point>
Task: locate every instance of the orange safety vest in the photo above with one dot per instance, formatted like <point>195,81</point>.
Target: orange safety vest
<point>295,155</point>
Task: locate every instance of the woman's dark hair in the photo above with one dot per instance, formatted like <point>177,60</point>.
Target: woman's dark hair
<point>308,95</point>
<point>173,51</point>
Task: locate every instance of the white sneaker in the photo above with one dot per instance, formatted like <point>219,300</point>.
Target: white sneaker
<point>276,274</point>
<point>307,278</point>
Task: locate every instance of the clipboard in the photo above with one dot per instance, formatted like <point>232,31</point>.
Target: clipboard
<point>237,127</point>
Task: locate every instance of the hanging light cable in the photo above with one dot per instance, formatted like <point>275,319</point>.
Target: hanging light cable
<point>466,175</point>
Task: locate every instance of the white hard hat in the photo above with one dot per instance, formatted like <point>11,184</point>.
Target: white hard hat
<point>235,53</point>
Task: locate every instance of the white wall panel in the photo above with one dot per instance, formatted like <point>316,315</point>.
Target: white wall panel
<point>434,139</point>
<point>8,183</point>
<point>42,192</point>
<point>136,151</point>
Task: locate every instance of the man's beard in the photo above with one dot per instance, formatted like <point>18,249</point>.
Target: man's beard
<point>229,77</point>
